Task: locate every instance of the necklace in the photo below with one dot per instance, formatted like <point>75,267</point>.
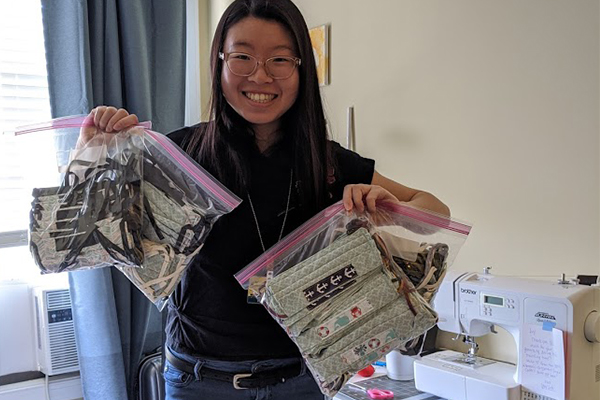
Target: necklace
<point>287,207</point>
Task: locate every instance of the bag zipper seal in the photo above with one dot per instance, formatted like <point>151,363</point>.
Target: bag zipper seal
<point>65,122</point>
<point>427,217</point>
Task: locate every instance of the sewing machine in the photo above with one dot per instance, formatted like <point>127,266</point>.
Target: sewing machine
<point>471,305</point>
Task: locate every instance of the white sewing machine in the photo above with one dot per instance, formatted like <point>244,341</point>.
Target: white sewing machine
<point>471,304</point>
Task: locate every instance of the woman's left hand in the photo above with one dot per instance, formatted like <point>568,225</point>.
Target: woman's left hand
<point>360,196</point>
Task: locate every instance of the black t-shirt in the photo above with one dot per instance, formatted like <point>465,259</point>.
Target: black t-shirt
<point>208,314</point>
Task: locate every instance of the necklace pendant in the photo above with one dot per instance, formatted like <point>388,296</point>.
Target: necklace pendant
<point>287,208</point>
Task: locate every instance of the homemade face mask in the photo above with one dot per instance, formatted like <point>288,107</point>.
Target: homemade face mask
<point>426,273</point>
<point>173,235</point>
<point>162,271</point>
<point>346,306</point>
<point>100,215</point>
<point>93,220</point>
<point>170,216</point>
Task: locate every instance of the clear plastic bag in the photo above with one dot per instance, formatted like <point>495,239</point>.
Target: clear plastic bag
<point>350,288</point>
<point>172,205</point>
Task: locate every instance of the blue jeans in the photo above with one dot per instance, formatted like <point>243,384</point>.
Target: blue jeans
<point>180,385</point>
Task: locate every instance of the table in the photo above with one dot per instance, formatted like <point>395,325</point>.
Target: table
<point>355,389</point>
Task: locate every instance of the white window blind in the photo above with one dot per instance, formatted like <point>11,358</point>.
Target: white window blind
<point>23,100</point>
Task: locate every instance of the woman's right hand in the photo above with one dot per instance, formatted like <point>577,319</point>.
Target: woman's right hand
<point>105,119</point>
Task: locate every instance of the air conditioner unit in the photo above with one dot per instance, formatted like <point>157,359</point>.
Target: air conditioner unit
<point>55,332</point>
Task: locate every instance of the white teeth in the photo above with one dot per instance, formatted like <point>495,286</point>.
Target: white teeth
<point>260,97</point>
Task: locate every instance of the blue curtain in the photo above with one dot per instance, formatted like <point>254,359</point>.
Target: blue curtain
<point>130,54</point>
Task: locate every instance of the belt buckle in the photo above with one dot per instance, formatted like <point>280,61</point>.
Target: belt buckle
<point>236,378</point>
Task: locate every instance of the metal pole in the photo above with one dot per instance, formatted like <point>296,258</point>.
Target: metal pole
<point>350,137</point>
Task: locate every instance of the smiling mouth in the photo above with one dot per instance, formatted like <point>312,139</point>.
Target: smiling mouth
<point>260,97</point>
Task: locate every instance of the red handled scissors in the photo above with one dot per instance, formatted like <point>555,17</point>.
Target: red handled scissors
<point>380,394</point>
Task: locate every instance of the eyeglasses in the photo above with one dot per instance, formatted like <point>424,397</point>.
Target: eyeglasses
<point>242,64</point>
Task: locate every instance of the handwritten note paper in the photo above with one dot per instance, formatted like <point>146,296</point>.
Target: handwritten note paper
<point>543,363</point>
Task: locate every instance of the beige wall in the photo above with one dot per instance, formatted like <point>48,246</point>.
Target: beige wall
<point>209,13</point>
<point>216,10</point>
<point>492,105</point>
<point>206,30</point>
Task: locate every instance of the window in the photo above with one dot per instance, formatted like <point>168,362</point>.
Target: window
<point>24,100</point>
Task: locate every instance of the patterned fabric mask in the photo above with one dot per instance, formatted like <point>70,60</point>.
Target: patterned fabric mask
<point>173,235</point>
<point>347,306</point>
<point>95,220</point>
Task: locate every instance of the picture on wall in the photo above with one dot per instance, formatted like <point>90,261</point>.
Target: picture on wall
<point>320,43</point>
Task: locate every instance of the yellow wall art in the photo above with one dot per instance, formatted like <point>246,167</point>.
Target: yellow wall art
<point>319,37</point>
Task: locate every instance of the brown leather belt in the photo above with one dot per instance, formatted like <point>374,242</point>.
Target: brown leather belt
<point>239,381</point>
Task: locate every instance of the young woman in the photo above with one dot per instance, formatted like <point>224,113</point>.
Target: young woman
<point>266,141</point>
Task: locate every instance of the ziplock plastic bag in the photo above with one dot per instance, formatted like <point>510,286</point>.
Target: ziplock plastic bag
<point>350,288</point>
<point>173,202</point>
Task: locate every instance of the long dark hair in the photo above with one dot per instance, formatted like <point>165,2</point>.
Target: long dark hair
<point>223,143</point>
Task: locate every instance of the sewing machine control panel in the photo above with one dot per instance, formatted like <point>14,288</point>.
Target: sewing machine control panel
<point>492,305</point>
<point>489,304</point>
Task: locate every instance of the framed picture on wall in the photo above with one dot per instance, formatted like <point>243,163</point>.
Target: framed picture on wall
<point>319,37</point>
